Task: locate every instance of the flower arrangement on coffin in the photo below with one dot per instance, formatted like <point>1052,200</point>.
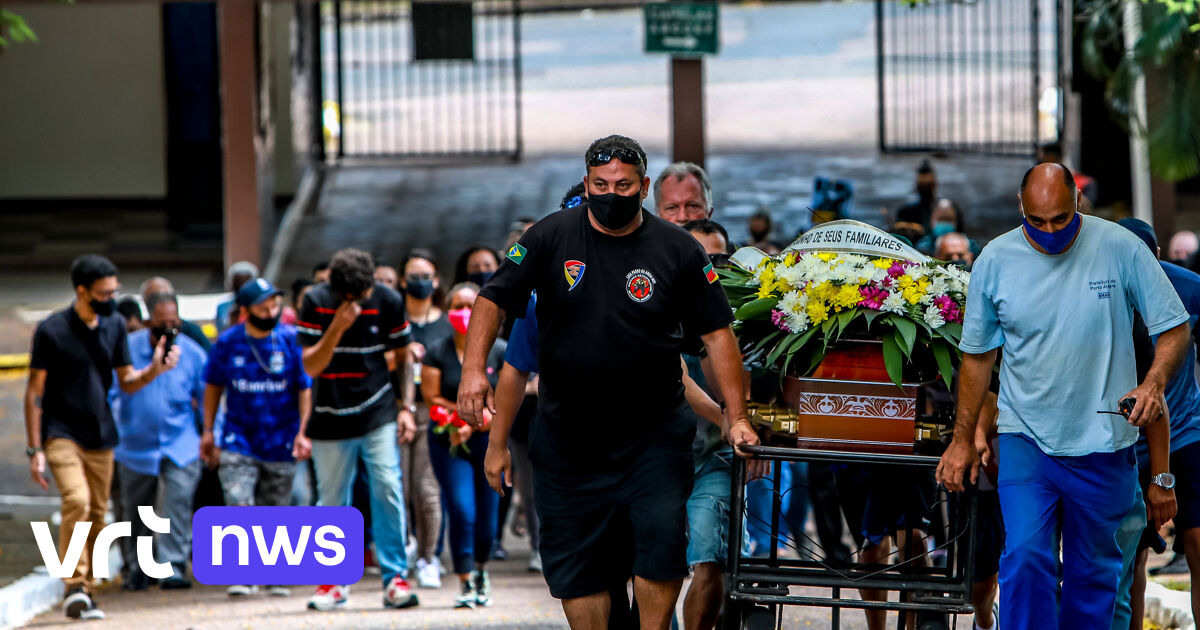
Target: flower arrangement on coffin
<point>794,307</point>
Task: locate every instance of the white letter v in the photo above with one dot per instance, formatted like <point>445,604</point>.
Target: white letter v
<point>66,568</point>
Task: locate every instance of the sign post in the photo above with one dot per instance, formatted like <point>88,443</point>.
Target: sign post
<point>687,31</point>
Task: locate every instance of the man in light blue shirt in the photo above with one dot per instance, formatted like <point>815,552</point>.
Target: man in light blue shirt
<point>159,447</point>
<point>1058,295</point>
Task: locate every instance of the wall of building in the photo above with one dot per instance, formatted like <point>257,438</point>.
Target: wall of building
<point>83,109</point>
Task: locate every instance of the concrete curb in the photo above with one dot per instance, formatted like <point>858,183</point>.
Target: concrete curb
<point>306,199</point>
<point>37,592</point>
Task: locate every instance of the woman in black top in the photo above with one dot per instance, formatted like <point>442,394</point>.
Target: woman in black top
<point>457,454</point>
<point>419,283</point>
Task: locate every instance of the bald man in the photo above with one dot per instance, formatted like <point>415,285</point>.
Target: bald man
<point>955,247</point>
<point>158,284</point>
<point>1058,294</point>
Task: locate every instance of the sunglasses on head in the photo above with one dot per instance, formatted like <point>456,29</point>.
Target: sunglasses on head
<point>628,156</point>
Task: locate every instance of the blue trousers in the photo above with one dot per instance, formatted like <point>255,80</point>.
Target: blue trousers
<point>471,504</point>
<point>759,493</point>
<point>1078,502</point>
<point>1129,534</point>
<point>336,465</point>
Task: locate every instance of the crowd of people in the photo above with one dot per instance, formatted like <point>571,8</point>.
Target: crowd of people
<point>426,399</point>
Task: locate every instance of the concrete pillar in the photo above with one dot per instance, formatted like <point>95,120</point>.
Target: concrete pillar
<point>236,24</point>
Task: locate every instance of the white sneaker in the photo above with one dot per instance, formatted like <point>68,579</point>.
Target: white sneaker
<point>276,590</point>
<point>428,575</point>
<point>535,563</point>
<point>399,595</point>
<point>241,590</point>
<point>437,562</point>
<point>329,597</point>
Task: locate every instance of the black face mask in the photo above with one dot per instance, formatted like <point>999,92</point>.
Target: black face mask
<point>615,211</point>
<point>262,323</point>
<point>418,288</point>
<point>105,308</point>
<point>480,277</point>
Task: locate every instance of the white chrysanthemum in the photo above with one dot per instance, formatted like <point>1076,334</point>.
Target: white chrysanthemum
<point>792,302</point>
<point>933,316</point>
<point>938,286</point>
<point>894,303</point>
<point>797,322</point>
<point>875,274</point>
<point>855,260</point>
<point>793,275</point>
<point>917,271</point>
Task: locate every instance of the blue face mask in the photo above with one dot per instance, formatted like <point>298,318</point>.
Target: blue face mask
<point>942,227</point>
<point>1053,242</point>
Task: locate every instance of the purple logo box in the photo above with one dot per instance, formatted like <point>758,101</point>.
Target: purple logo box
<point>277,545</point>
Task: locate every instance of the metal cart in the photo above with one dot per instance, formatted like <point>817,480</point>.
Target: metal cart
<point>759,587</point>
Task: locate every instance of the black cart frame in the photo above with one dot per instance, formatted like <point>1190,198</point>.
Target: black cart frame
<point>757,588</point>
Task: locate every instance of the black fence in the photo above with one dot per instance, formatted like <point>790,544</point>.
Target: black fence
<point>438,78</point>
<point>969,76</point>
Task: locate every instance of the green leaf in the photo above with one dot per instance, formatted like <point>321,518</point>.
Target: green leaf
<point>908,333</point>
<point>843,319</point>
<point>756,309</point>
<point>892,359</point>
<point>766,340</point>
<point>945,363</point>
<point>779,348</point>
<point>870,316</point>
<point>952,331</point>
<point>801,339</point>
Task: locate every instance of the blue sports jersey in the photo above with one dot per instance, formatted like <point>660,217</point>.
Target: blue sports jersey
<point>262,379</point>
<point>522,351</point>
<point>1182,393</point>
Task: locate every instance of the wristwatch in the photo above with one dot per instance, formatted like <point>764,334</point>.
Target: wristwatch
<point>412,409</point>
<point>30,451</point>
<point>1166,481</point>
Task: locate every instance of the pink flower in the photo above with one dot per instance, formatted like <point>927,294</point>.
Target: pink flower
<point>897,268</point>
<point>873,297</point>
<point>950,311</point>
<point>779,319</point>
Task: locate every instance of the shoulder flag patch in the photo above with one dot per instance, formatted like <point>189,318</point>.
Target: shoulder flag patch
<point>516,253</point>
<point>710,273</point>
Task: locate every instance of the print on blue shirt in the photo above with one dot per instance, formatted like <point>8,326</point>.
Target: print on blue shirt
<point>263,379</point>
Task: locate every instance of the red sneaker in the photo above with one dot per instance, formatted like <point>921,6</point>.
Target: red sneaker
<point>399,595</point>
<point>329,597</point>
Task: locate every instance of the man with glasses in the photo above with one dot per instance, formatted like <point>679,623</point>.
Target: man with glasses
<point>68,422</point>
<point>618,291</point>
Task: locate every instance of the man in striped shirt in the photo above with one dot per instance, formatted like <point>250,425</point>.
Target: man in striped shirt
<point>347,325</point>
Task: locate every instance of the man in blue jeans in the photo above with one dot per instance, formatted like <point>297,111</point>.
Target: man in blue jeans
<point>1058,294</point>
<point>347,326</point>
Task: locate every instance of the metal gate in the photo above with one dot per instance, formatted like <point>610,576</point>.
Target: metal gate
<point>969,76</point>
<point>426,78</point>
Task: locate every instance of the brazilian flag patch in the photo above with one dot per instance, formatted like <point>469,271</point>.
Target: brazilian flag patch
<point>710,274</point>
<point>516,253</point>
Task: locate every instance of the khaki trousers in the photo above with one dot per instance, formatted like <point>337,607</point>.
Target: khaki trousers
<point>83,478</point>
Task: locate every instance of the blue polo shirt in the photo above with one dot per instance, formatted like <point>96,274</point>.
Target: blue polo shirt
<point>262,379</point>
<point>522,351</point>
<point>160,419</point>
<point>1182,393</point>
<point>1065,323</point>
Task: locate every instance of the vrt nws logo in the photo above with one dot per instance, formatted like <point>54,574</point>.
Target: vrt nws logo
<point>639,285</point>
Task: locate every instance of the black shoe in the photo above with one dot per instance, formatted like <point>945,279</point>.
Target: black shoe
<point>79,605</point>
<point>175,583</point>
<point>1177,566</point>
<point>137,582</point>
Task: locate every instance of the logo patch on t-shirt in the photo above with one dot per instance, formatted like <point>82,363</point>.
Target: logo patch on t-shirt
<point>573,271</point>
<point>639,285</point>
<point>239,361</point>
<point>1102,288</point>
<point>516,253</point>
<point>710,273</point>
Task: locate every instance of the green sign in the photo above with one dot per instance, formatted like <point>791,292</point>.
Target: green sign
<point>681,28</point>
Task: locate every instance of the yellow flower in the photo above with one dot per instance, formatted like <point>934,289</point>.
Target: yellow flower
<point>826,257</point>
<point>915,290</point>
<point>818,311</point>
<point>905,282</point>
<point>882,263</point>
<point>765,290</point>
<point>847,297</point>
<point>789,259</point>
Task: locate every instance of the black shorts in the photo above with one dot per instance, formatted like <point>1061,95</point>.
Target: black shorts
<point>599,529</point>
<point>879,500</point>
<point>989,535</point>
<point>1185,465</point>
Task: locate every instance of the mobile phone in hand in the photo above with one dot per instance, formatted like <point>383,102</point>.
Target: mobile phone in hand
<point>169,337</point>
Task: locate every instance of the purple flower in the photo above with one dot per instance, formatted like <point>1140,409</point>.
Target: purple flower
<point>779,318</point>
<point>950,311</point>
<point>873,297</point>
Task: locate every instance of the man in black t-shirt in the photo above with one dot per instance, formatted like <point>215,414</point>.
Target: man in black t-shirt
<point>347,326</point>
<point>618,291</point>
<point>68,422</point>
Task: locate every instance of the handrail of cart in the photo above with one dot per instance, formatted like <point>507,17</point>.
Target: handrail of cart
<point>797,600</point>
<point>817,455</point>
